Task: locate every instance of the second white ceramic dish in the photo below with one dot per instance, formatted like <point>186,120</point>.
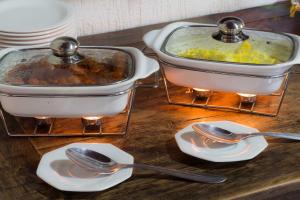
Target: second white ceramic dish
<point>200,147</point>
<point>219,76</point>
<point>222,82</point>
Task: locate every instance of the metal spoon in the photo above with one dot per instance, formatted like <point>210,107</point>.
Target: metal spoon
<point>225,136</point>
<point>94,161</point>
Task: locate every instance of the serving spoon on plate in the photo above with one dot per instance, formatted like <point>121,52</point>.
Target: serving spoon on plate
<point>97,162</point>
<point>224,136</point>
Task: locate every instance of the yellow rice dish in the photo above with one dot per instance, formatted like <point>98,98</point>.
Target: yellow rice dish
<point>244,54</point>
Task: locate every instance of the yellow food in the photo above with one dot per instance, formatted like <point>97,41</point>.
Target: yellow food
<point>244,54</point>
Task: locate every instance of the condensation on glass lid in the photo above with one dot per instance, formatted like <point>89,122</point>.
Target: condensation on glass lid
<point>261,47</point>
<point>112,67</point>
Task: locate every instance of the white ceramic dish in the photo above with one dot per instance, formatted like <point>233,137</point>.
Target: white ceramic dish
<point>33,15</point>
<point>58,171</point>
<point>75,101</point>
<point>200,147</point>
<point>221,80</point>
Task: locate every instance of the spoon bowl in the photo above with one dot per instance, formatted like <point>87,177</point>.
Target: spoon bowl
<point>224,136</point>
<point>92,160</point>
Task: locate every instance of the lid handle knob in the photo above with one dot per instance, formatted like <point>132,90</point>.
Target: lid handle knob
<point>65,51</point>
<point>230,30</point>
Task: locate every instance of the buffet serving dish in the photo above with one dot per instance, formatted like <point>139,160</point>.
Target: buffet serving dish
<point>70,81</point>
<point>224,57</point>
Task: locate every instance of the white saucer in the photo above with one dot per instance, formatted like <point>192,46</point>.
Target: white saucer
<point>58,171</point>
<point>201,147</point>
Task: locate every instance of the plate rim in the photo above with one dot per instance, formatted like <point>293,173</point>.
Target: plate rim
<point>63,187</point>
<point>263,144</point>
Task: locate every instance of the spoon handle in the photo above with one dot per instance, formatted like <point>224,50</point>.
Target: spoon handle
<point>292,136</point>
<point>206,178</point>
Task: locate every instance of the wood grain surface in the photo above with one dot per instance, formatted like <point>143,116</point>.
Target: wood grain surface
<point>274,174</point>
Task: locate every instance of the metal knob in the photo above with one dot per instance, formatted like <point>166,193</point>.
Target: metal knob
<point>230,30</point>
<point>65,51</point>
<point>64,46</point>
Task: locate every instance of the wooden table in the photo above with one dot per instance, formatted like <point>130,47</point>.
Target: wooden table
<point>274,174</point>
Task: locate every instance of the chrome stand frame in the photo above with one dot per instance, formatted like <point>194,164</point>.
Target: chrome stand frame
<point>34,131</point>
<point>280,94</point>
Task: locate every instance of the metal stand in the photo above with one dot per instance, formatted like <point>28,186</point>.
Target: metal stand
<point>27,126</point>
<point>267,105</point>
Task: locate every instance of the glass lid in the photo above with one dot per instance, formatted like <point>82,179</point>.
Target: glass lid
<point>229,42</point>
<point>66,65</point>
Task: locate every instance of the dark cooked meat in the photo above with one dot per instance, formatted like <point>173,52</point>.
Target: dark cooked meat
<point>87,72</point>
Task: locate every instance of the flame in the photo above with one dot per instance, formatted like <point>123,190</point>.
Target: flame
<point>41,117</point>
<point>200,90</point>
<point>92,118</point>
<point>246,95</point>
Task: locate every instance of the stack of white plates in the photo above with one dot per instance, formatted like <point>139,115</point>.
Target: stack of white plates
<point>34,23</point>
